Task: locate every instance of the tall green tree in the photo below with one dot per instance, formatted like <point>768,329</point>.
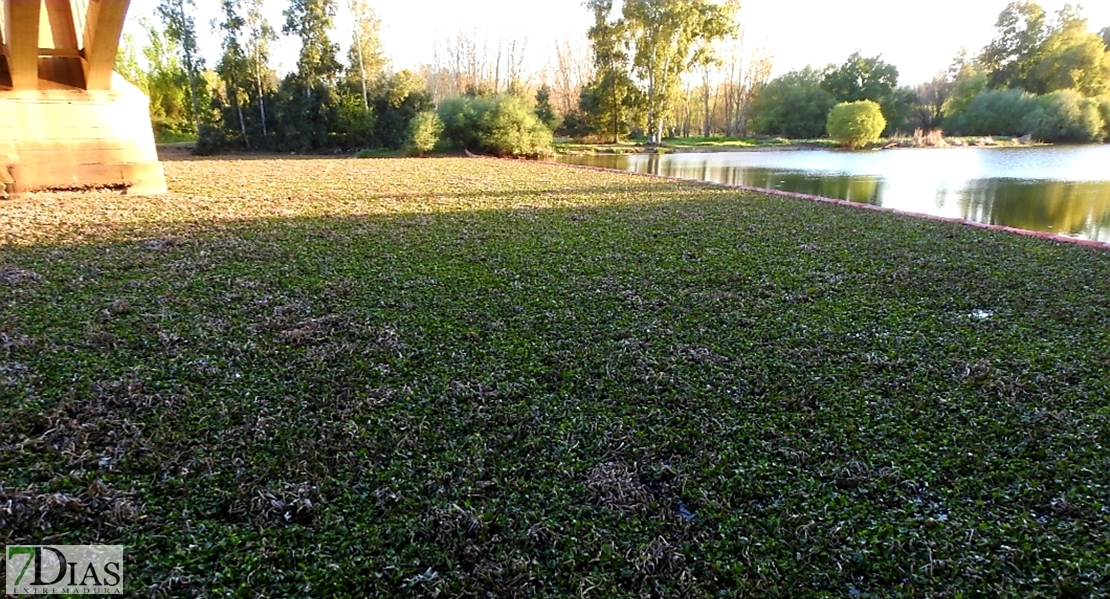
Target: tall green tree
<point>310,20</point>
<point>165,82</point>
<point>1009,58</point>
<point>398,100</point>
<point>1070,57</point>
<point>366,56</point>
<point>177,17</point>
<point>860,78</point>
<point>968,80</point>
<point>259,36</point>
<point>234,67</point>
<point>669,38</point>
<point>605,100</point>
<point>793,105</point>
<point>544,111</point>
<point>127,62</point>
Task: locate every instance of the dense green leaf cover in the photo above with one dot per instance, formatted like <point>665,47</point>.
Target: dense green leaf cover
<point>856,124</point>
<point>417,378</point>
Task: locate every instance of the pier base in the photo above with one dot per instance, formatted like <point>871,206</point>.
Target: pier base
<point>74,139</point>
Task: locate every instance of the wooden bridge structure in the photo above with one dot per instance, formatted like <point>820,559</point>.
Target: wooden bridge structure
<point>66,119</point>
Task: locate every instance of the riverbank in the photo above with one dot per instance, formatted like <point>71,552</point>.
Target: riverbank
<point>691,144</point>
<point>1053,190</point>
<point>457,377</point>
<point>778,144</point>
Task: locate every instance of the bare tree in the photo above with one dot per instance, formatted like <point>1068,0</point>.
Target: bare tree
<point>514,63</point>
<point>747,69</point>
<point>573,69</point>
<point>928,109</point>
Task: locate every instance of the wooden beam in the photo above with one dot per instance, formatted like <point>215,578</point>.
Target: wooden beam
<point>60,15</point>
<point>4,27</point>
<point>22,20</point>
<point>103,27</point>
<point>62,53</point>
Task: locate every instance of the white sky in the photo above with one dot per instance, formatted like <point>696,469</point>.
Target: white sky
<point>919,38</point>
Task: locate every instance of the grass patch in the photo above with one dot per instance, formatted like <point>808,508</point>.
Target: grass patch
<point>168,137</point>
<point>380,153</point>
<point>300,377</point>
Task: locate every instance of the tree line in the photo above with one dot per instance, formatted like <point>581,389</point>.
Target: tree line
<point>652,69</point>
<point>1043,76</point>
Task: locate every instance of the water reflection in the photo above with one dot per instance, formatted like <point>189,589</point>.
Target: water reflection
<point>1079,209</point>
<point>1057,190</point>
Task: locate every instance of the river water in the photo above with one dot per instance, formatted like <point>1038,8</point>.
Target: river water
<point>1063,190</point>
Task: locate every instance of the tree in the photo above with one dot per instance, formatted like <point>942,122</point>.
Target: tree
<point>1105,33</point>
<point>544,110</point>
<point>234,67</point>
<point>856,124</point>
<point>872,79</point>
<point>748,69</point>
<point>424,131</point>
<point>967,84</point>
<point>606,99</point>
<point>929,100</point>
<point>166,83</point>
<point>366,56</point>
<point>1009,58</point>
<point>259,35</point>
<point>610,106</point>
<point>127,62</point>
<point>573,69</point>
<point>399,99</point>
<point>310,20</point>
<point>1070,57</point>
<point>793,105</point>
<point>669,38</point>
<point>180,27</point>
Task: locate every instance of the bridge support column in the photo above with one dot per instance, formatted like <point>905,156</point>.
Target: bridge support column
<point>67,121</point>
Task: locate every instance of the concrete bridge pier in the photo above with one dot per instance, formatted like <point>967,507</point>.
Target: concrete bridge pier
<point>66,119</point>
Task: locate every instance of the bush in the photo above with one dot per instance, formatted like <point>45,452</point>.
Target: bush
<point>793,106</point>
<point>356,122</point>
<point>501,125</point>
<point>424,131</point>
<point>856,124</point>
<point>994,113</point>
<point>1104,112</point>
<point>1064,116</point>
<point>396,102</point>
<point>575,124</point>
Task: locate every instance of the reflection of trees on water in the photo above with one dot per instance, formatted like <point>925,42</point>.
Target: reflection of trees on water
<point>1065,207</point>
<point>862,189</point>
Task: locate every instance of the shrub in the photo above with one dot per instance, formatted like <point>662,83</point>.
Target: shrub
<point>424,131</point>
<point>575,124</point>
<point>515,130</point>
<point>1104,112</point>
<point>462,120</point>
<point>501,125</point>
<point>856,124</point>
<point>994,113</point>
<point>397,101</point>
<point>356,122</point>
<point>544,111</point>
<point>793,106</point>
<point>1064,116</point>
